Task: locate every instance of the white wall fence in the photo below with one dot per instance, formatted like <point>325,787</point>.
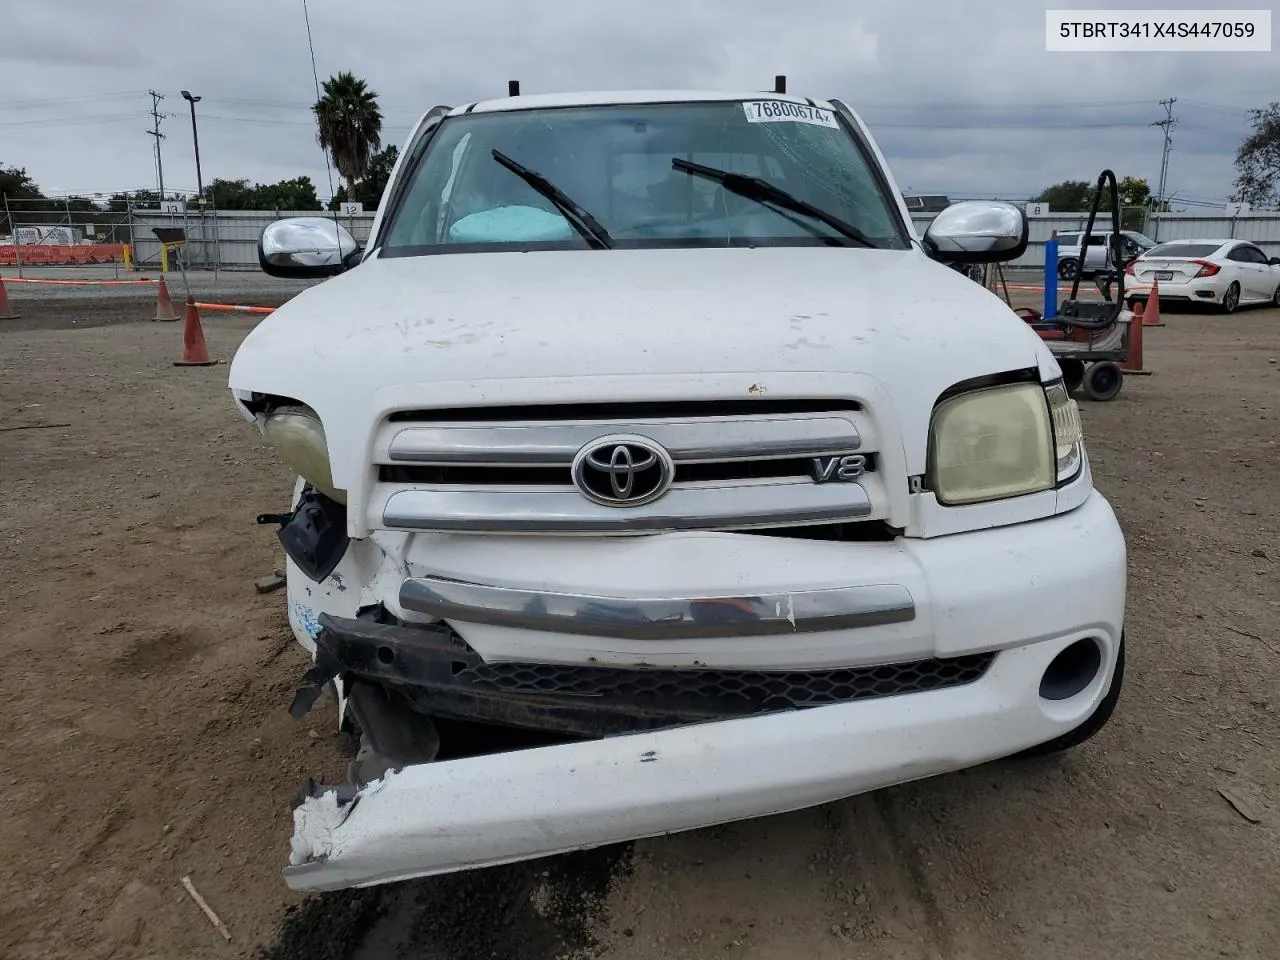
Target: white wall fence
<point>1260,228</point>
<point>228,239</point>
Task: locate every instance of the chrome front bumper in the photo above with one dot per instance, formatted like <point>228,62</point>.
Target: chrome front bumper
<point>659,618</point>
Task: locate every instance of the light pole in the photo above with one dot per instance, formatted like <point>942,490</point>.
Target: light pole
<point>195,138</point>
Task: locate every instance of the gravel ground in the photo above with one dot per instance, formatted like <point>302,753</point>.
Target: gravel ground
<point>147,684</point>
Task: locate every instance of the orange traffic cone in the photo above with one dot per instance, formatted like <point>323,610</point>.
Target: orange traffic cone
<point>164,306</point>
<point>6,311</point>
<point>195,353</point>
<point>1132,364</point>
<point>1151,317</point>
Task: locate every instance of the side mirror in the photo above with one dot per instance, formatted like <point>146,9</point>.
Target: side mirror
<point>977,231</point>
<point>305,247</point>
<point>1274,261</point>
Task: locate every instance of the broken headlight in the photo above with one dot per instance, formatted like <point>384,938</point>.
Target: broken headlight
<point>299,439</point>
<point>990,444</point>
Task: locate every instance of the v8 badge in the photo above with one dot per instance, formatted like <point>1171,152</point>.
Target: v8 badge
<point>844,469</point>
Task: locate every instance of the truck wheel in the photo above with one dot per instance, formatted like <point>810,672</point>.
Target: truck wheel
<point>1103,380</point>
<point>1072,374</point>
<point>1096,721</point>
<point>1067,269</point>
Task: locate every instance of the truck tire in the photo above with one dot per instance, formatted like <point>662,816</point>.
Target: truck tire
<point>1067,269</point>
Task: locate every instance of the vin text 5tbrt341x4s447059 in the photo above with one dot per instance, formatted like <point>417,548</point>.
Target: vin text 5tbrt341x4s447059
<point>654,473</point>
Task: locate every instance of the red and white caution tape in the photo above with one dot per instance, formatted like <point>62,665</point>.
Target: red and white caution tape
<point>78,283</point>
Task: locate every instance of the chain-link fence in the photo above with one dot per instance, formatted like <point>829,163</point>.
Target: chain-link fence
<point>144,235</point>
<point>70,230</point>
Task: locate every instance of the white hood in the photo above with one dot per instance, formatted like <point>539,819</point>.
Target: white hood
<point>894,317</point>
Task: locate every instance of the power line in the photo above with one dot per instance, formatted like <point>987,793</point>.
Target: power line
<point>73,121</point>
<point>316,77</point>
<point>78,98</point>
<point>1236,111</point>
<point>270,121</point>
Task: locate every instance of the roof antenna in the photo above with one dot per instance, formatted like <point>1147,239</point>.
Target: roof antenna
<point>513,88</point>
<point>780,83</point>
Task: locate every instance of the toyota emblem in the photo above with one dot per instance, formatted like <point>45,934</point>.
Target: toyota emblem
<point>623,471</point>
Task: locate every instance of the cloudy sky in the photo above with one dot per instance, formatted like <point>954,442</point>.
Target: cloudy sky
<point>962,96</point>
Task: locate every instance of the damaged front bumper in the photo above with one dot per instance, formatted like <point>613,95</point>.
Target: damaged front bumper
<point>894,686</point>
<point>432,818</point>
<point>425,671</point>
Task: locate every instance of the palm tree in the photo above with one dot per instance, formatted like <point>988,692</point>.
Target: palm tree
<point>349,125</point>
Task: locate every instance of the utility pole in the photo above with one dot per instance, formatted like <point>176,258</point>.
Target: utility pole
<point>1168,123</point>
<point>156,116</point>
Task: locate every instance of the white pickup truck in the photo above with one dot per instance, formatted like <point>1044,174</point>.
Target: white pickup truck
<point>654,473</point>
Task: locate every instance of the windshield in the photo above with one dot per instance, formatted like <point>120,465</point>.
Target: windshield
<point>1183,250</point>
<point>1141,239</point>
<point>615,163</point>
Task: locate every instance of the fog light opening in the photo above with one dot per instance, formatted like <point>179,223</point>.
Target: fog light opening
<point>1072,670</point>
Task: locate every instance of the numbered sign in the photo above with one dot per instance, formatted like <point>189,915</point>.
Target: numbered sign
<point>352,209</point>
<point>172,206</point>
<point>1037,209</point>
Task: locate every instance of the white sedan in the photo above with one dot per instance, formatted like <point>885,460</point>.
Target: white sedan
<point>1227,273</point>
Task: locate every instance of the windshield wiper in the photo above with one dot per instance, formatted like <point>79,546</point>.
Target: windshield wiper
<point>587,225</point>
<point>755,188</point>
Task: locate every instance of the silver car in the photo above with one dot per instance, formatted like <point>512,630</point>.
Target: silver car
<point>1096,259</point>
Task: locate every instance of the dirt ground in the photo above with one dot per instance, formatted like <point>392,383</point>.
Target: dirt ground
<point>147,739</point>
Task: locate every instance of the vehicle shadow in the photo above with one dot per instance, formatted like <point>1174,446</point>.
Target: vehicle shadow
<point>814,882</point>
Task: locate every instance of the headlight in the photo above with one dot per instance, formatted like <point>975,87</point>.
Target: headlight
<point>992,443</point>
<point>1068,434</point>
<point>299,438</point>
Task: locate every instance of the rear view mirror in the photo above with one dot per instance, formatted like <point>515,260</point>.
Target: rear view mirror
<point>303,247</point>
<point>977,231</point>
<point>1274,261</point>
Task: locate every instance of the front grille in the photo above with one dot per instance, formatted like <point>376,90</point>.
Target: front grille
<point>729,466</point>
<point>433,670</point>
<point>746,691</point>
<point>782,468</point>
<point>866,531</point>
